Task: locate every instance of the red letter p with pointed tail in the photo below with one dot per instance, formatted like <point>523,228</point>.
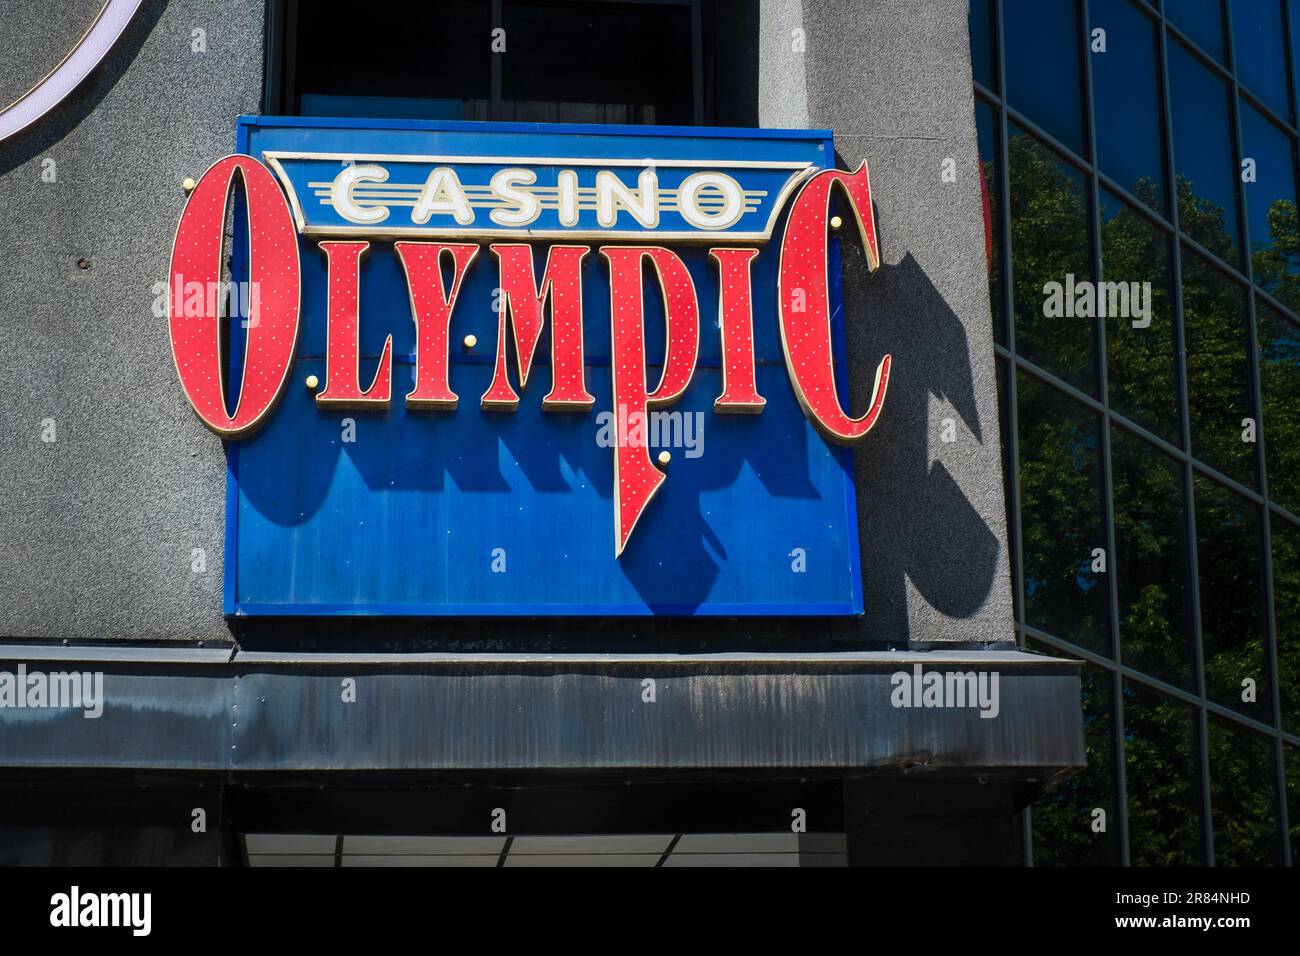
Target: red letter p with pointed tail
<point>636,479</point>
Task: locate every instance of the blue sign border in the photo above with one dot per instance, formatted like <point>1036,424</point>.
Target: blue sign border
<point>236,609</point>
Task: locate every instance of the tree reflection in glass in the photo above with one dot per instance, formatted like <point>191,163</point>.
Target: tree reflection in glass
<point>1163,779</point>
<point>1065,828</point>
<point>1049,240</point>
<point>1062,516</point>
<point>1286,610</point>
<point>1219,398</point>
<point>1233,636</point>
<point>1151,569</point>
<point>1279,377</point>
<point>1140,358</point>
<point>1243,797</point>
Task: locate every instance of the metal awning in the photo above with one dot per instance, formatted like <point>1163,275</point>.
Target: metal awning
<point>223,710</point>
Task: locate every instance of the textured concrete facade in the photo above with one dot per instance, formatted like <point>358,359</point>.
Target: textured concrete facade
<point>101,527</point>
<point>893,82</point>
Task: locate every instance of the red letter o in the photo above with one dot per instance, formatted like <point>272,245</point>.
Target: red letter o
<point>275,286</point>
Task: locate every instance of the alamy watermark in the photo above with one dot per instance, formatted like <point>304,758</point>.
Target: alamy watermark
<point>974,689</point>
<point>133,911</point>
<point>1103,300</point>
<point>674,429</point>
<point>196,299</point>
<point>75,690</point>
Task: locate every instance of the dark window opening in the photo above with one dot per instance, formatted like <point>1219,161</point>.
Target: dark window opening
<point>574,61</point>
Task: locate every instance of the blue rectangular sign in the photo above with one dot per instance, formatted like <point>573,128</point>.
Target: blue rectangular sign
<point>484,511</point>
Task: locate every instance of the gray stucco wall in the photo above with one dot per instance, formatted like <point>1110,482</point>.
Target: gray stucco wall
<point>46,29</point>
<point>99,527</point>
<point>893,80</point>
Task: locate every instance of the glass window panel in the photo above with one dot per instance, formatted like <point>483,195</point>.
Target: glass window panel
<point>1279,379</point>
<point>1062,817</point>
<point>1234,637</point>
<point>1292,757</point>
<point>1243,797</point>
<point>390,72</point>
<point>1286,612</point>
<point>1219,394</point>
<point>1143,375</point>
<point>585,62</point>
<point>1202,20</point>
<point>1270,204</point>
<point>1293,12</point>
<point>1004,423</point>
<point>1162,776</point>
<point>1155,628</point>
<point>1203,155</point>
<point>987,133</point>
<point>1049,244</point>
<point>982,56</point>
<point>1126,100</point>
<point>1260,40</point>
<point>1042,47</point>
<point>1061,515</point>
